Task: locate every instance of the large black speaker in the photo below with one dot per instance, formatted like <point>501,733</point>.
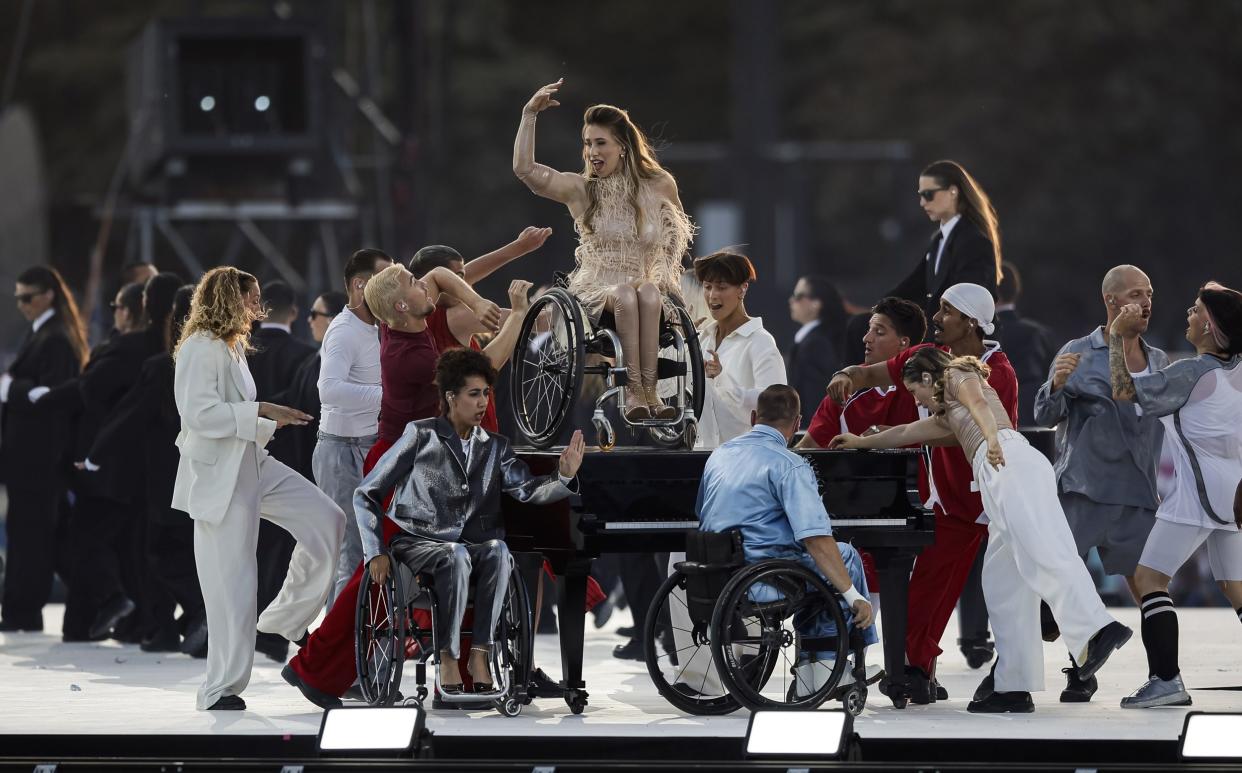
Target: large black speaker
<point>213,95</point>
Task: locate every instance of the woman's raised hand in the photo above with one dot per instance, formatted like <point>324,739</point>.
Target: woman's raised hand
<point>543,98</point>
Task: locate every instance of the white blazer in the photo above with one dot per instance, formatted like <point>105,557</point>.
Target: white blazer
<point>218,418</point>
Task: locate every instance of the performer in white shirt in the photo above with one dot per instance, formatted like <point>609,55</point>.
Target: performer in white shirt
<point>741,358</point>
<point>349,392</point>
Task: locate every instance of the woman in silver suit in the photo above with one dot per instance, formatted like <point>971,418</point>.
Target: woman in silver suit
<point>448,474</point>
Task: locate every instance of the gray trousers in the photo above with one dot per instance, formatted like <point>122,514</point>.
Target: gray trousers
<point>453,567</point>
<point>337,467</point>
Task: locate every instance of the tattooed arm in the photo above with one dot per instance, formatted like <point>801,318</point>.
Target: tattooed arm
<point>1123,327</point>
<point>1123,383</point>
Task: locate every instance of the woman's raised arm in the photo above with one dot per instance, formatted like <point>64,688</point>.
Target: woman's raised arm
<point>545,181</point>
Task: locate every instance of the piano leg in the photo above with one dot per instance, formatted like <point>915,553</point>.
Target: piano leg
<point>571,614</point>
<point>893,568</point>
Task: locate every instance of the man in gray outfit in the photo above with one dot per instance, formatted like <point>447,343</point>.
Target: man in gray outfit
<point>1107,452</point>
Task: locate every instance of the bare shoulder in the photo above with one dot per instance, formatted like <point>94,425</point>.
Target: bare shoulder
<point>664,184</point>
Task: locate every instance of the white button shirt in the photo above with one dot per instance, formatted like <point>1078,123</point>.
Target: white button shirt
<point>349,377</point>
<point>749,363</point>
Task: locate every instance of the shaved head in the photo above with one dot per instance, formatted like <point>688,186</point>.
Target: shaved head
<point>1120,278</point>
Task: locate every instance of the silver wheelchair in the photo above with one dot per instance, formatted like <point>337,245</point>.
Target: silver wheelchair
<point>559,346</point>
<point>388,633</point>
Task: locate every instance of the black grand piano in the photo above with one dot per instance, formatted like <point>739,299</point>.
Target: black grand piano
<point>638,500</point>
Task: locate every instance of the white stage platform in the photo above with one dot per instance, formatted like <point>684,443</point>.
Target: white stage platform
<point>51,688</point>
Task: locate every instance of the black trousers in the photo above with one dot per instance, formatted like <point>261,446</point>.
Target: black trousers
<point>30,528</point>
<point>171,567</point>
<point>972,610</point>
<point>97,530</point>
<point>641,575</point>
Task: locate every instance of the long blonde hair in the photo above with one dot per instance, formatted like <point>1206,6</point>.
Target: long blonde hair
<point>937,363</point>
<point>638,162</point>
<point>218,308</point>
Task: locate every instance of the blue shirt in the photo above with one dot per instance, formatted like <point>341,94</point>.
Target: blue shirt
<point>756,484</point>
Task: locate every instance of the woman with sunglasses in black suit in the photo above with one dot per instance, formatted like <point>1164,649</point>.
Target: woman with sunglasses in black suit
<point>966,245</point>
<point>34,452</point>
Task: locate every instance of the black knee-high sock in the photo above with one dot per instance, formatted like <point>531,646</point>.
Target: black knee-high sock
<point>1160,634</point>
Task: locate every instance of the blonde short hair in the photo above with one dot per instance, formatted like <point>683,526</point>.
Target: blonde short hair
<point>383,291</point>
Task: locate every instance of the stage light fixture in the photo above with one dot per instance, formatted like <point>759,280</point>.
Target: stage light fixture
<point>1211,736</point>
<point>812,734</point>
<point>371,730</point>
<point>207,104</point>
<point>262,103</point>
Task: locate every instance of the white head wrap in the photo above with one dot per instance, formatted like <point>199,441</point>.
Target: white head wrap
<point>974,301</point>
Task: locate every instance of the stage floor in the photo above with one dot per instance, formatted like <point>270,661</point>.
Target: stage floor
<point>51,688</point>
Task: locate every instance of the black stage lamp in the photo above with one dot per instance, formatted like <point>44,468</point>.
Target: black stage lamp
<point>396,731</point>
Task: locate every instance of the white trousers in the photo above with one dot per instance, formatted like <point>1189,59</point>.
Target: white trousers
<point>227,570</point>
<point>1031,555</point>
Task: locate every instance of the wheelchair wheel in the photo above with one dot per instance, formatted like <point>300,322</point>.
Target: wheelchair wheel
<point>669,665</point>
<point>517,637</point>
<point>547,366</point>
<point>684,433</point>
<point>756,616</point>
<point>380,639</point>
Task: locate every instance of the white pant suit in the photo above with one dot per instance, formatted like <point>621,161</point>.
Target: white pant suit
<point>227,482</point>
<point>1031,555</point>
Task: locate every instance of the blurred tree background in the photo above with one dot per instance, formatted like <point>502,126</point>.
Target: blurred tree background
<point>1106,131</point>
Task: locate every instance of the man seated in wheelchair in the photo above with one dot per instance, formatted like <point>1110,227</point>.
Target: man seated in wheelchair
<point>448,474</point>
<point>755,484</point>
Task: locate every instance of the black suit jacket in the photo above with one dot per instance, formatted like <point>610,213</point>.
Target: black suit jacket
<point>273,364</point>
<point>36,446</point>
<point>109,374</point>
<point>967,257</point>
<point>1030,347</point>
<point>303,394</point>
<point>147,417</point>
<point>810,365</point>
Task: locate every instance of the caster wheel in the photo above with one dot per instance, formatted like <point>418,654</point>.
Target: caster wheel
<point>421,694</point>
<point>577,703</point>
<point>855,700</point>
<point>605,437</point>
<point>510,707</point>
<point>689,435</point>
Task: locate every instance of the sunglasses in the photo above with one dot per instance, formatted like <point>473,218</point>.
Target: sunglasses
<point>25,298</point>
<point>314,315</point>
<point>927,194</point>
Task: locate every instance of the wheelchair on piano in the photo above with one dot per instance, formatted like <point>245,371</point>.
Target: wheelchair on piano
<point>388,633</point>
<point>744,627</point>
<point>559,346</point>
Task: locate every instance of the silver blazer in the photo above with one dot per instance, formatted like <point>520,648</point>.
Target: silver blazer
<point>437,497</point>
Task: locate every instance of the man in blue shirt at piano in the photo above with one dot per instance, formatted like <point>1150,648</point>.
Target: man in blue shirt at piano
<point>754,483</point>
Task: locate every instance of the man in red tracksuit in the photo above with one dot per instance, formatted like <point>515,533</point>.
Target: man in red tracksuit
<point>894,325</point>
<point>941,570</point>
